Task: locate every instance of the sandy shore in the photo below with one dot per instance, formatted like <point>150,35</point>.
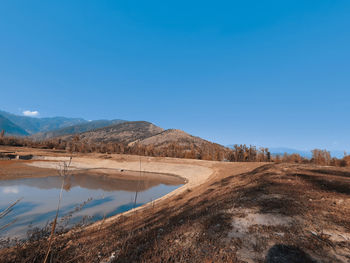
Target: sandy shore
<point>193,172</point>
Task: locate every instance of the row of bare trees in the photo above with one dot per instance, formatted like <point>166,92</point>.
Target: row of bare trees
<point>319,157</point>
<point>210,151</point>
<point>244,153</point>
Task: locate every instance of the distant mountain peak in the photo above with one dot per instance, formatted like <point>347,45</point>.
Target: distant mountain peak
<point>34,125</point>
<point>10,128</point>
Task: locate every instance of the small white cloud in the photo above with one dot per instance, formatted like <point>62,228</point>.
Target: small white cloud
<point>30,113</point>
<point>10,190</point>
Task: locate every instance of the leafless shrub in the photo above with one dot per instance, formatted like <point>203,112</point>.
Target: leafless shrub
<point>63,171</point>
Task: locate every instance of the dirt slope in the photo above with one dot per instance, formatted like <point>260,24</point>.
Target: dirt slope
<point>242,212</point>
<point>170,136</point>
<point>174,139</point>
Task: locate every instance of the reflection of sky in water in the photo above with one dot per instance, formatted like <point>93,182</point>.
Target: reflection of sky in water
<point>40,197</point>
<point>10,190</point>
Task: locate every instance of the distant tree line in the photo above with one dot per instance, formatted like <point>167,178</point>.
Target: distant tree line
<point>209,151</point>
<point>244,153</point>
<point>319,157</point>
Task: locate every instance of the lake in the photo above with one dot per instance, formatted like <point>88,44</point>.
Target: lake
<point>86,198</point>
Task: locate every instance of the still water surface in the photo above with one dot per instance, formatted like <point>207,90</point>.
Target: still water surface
<point>85,197</point>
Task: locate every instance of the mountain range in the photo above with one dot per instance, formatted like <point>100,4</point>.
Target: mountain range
<point>75,129</point>
<point>105,131</point>
<point>34,125</point>
<point>117,130</point>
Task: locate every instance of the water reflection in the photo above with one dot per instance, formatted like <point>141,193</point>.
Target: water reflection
<point>102,182</point>
<point>103,196</point>
<point>10,190</point>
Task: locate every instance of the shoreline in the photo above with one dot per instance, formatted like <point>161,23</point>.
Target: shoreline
<point>240,211</point>
<point>126,167</point>
<point>193,175</point>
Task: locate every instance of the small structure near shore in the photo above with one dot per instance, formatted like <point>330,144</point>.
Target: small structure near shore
<point>13,155</point>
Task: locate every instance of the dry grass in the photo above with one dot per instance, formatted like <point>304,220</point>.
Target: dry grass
<point>63,173</point>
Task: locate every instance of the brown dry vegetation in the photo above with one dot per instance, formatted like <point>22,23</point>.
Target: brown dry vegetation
<point>169,143</point>
<point>125,132</point>
<point>245,212</point>
<point>190,150</point>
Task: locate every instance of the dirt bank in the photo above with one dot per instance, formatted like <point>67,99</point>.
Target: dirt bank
<point>241,212</point>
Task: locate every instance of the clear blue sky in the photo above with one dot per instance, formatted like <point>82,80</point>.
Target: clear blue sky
<point>272,73</point>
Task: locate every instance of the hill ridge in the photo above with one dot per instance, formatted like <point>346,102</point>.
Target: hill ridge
<point>125,132</point>
<point>76,129</point>
<point>11,128</point>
